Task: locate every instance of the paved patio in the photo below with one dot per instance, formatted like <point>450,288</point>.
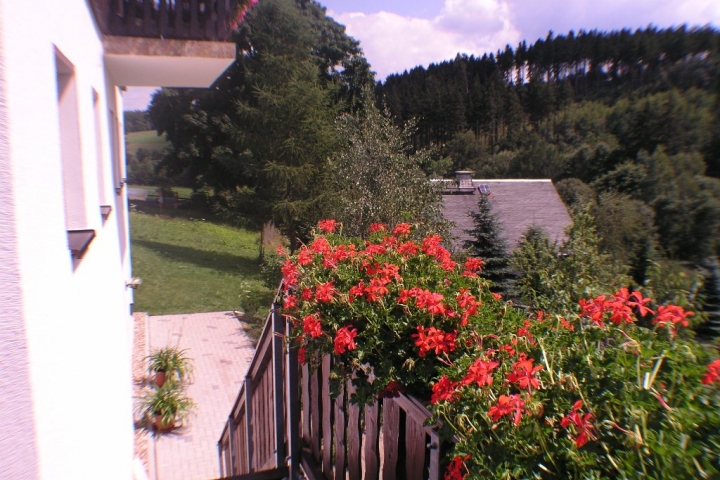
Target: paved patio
<point>221,351</point>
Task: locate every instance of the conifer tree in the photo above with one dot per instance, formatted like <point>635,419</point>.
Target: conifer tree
<point>488,244</point>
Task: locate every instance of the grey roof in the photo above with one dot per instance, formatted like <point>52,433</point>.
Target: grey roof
<point>518,205</point>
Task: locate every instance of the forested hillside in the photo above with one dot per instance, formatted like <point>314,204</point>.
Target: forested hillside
<point>626,122</point>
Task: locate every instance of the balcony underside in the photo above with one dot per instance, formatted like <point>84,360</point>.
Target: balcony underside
<point>152,62</point>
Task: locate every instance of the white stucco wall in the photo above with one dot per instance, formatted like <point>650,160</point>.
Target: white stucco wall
<point>75,321</point>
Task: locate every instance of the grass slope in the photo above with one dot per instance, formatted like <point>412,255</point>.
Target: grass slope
<point>147,139</point>
<point>189,265</point>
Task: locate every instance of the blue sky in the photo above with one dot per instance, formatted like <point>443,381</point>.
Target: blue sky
<point>396,35</point>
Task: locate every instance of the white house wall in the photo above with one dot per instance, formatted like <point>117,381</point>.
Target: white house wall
<point>75,318</point>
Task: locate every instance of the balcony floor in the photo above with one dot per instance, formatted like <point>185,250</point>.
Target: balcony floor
<point>221,353</point>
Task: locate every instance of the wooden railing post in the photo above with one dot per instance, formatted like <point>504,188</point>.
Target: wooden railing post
<point>231,444</point>
<point>220,460</point>
<point>248,425</point>
<point>292,393</point>
<point>278,384</point>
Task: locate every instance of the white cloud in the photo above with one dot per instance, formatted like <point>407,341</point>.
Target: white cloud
<point>393,43</point>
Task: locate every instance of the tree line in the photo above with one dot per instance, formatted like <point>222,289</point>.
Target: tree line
<point>624,122</point>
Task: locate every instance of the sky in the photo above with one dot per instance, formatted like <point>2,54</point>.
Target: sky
<point>397,35</point>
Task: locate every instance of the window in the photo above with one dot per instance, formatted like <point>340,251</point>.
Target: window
<point>76,220</point>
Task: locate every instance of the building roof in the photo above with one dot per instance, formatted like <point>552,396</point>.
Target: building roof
<point>518,205</point>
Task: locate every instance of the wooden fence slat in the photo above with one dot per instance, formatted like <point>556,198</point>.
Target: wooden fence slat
<point>248,424</point>
<point>391,436</point>
<point>354,436</point>
<point>292,395</point>
<point>434,473</point>
<point>339,443</point>
<point>326,419</point>
<point>277,371</point>
<point>372,433</point>
<point>306,404</point>
<point>315,430</point>
<point>414,449</point>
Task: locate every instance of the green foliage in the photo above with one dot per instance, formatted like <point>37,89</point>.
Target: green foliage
<point>375,180</point>
<point>585,392</point>
<point>670,281</point>
<point>136,121</point>
<point>262,138</point>
<point>174,362</point>
<point>488,244</point>
<point>169,404</point>
<point>557,276</point>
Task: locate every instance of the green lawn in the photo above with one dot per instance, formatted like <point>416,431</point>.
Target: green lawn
<point>190,265</point>
<point>147,139</point>
<point>183,192</point>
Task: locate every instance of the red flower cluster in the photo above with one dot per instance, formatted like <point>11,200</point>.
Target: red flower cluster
<point>480,372</point>
<point>402,229</point>
<point>428,339</point>
<point>345,339</point>
<point>328,226</point>
<point>619,306</point>
<point>455,469</point>
<point>473,265</point>
<point>312,325</point>
<point>508,405</point>
<point>582,424</point>
<point>325,292</point>
<point>377,227</point>
<point>671,315</point>
<point>445,390</point>
<point>391,390</point>
<point>523,373</point>
<point>431,246</point>
<point>468,303</point>
<point>712,374</point>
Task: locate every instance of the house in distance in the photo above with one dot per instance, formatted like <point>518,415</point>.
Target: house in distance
<point>518,205</point>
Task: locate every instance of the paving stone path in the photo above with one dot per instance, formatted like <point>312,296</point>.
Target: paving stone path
<point>221,352</point>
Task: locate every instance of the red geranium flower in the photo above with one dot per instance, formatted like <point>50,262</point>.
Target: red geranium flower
<point>345,339</point>
<point>582,424</point>
<point>480,372</point>
<point>401,229</point>
<point>391,390</point>
<point>445,390</point>
<point>523,373</point>
<point>508,405</point>
<point>713,373</point>
<point>377,227</point>
<point>312,325</point>
<point>325,292</point>
<point>671,315</point>
<point>327,226</point>
<point>455,469</point>
<point>428,339</point>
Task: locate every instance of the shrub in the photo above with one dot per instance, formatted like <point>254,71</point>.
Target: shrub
<point>568,395</point>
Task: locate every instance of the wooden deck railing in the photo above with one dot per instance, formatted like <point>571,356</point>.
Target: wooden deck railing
<point>285,419</point>
<point>173,19</point>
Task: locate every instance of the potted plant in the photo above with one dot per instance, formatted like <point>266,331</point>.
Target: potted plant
<point>170,364</point>
<point>165,407</point>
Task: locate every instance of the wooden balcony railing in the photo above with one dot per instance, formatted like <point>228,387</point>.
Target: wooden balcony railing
<point>285,420</point>
<point>172,19</point>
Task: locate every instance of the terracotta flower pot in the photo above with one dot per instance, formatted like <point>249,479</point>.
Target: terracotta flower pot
<point>160,378</point>
<point>161,426</point>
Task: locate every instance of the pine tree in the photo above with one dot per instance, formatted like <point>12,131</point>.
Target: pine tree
<point>488,244</point>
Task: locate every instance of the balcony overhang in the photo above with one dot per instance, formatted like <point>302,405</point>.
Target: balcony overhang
<point>150,62</point>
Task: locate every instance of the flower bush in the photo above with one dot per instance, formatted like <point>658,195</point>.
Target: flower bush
<point>585,393</point>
